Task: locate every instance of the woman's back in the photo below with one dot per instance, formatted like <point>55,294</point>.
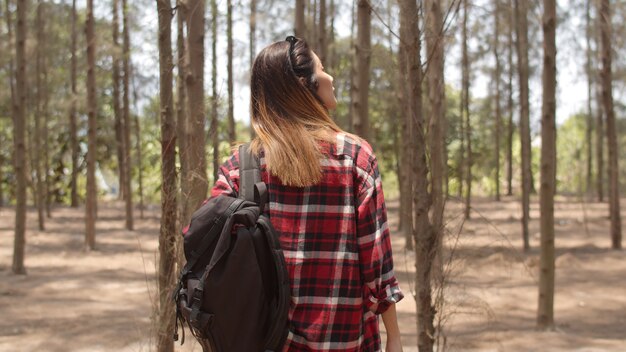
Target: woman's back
<point>335,240</point>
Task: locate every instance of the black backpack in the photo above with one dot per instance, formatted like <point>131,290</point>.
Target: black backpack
<point>234,290</point>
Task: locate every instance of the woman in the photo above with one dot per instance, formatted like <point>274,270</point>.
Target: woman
<point>326,203</point>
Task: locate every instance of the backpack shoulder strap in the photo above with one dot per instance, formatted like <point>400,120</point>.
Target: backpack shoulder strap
<point>251,187</point>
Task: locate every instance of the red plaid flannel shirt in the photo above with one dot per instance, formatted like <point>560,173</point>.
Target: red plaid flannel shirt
<point>336,243</point>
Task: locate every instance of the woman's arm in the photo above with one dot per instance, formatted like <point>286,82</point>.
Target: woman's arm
<point>390,320</point>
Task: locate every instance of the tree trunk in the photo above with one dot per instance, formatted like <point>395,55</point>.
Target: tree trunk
<point>428,237</point>
<point>322,47</point>
<point>11,78</point>
<point>91,202</point>
<point>422,232</point>
<point>213,131</point>
<point>611,128</point>
<point>38,152</point>
<point>589,117</point>
<point>360,89</point>
<point>311,17</point>
<point>138,144</point>
<point>198,184</point>
<point>182,123</point>
<point>128,192</point>
<point>600,140</point>
<point>229,38</point>
<point>19,130</point>
<point>253,45</point>
<point>117,109</point>
<point>545,312</point>
<point>73,124</point>
<point>510,107</point>
<point>300,28</point>
<point>167,236</point>
<point>498,72</point>
<point>330,57</point>
<point>466,115</point>
<point>406,127</point>
<point>45,96</point>
<point>521,13</point>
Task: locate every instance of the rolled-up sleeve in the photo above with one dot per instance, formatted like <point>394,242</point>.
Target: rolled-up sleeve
<point>227,182</point>
<point>380,286</point>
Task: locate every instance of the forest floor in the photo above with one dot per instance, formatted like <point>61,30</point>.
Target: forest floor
<point>103,300</point>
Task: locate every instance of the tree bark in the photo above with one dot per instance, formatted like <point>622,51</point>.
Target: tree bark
<point>545,312</point>
<point>322,47</point>
<point>589,117</point>
<point>117,109</point>
<point>128,192</point>
<point>139,154</point>
<point>521,13</point>
<point>198,183</point>
<point>167,236</point>
<point>213,131</point>
<point>510,106</point>
<point>38,152</point>
<point>429,236</point>
<point>300,28</point>
<point>498,117</point>
<point>253,46</point>
<point>611,128</point>
<point>182,123</point>
<point>422,231</point>
<point>405,152</point>
<point>229,38</point>
<point>360,89</point>
<point>466,115</point>
<point>91,203</point>
<point>11,76</point>
<point>19,130</point>
<point>73,124</point>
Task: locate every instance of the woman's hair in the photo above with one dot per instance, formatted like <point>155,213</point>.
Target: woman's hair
<point>287,115</point>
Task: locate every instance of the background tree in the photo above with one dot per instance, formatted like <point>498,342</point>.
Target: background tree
<point>521,13</point>
<point>197,173</point>
<point>427,240</point>
<point>19,130</point>
<point>589,119</point>
<point>229,68</point>
<point>465,113</point>
<point>496,78</point>
<point>299,29</point>
<point>40,199</point>
<point>182,120</point>
<point>600,175</point>
<point>510,105</point>
<point>252,45</point>
<point>322,45</point>
<point>362,54</point>
<point>91,202</point>
<point>126,124</point>
<point>406,154</point>
<point>167,236</point>
<point>611,128</point>
<point>72,116</point>
<point>213,132</point>
<point>545,312</point>
<point>117,108</point>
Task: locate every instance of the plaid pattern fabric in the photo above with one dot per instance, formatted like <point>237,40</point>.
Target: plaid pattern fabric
<point>337,248</point>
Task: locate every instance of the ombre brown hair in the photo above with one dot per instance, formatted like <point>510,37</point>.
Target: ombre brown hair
<point>288,117</point>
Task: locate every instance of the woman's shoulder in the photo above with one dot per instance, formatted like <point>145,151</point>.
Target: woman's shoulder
<point>353,146</point>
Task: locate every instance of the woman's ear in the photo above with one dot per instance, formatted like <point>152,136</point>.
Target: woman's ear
<point>302,81</point>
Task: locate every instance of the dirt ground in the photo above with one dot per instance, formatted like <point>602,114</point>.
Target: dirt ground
<point>72,300</point>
